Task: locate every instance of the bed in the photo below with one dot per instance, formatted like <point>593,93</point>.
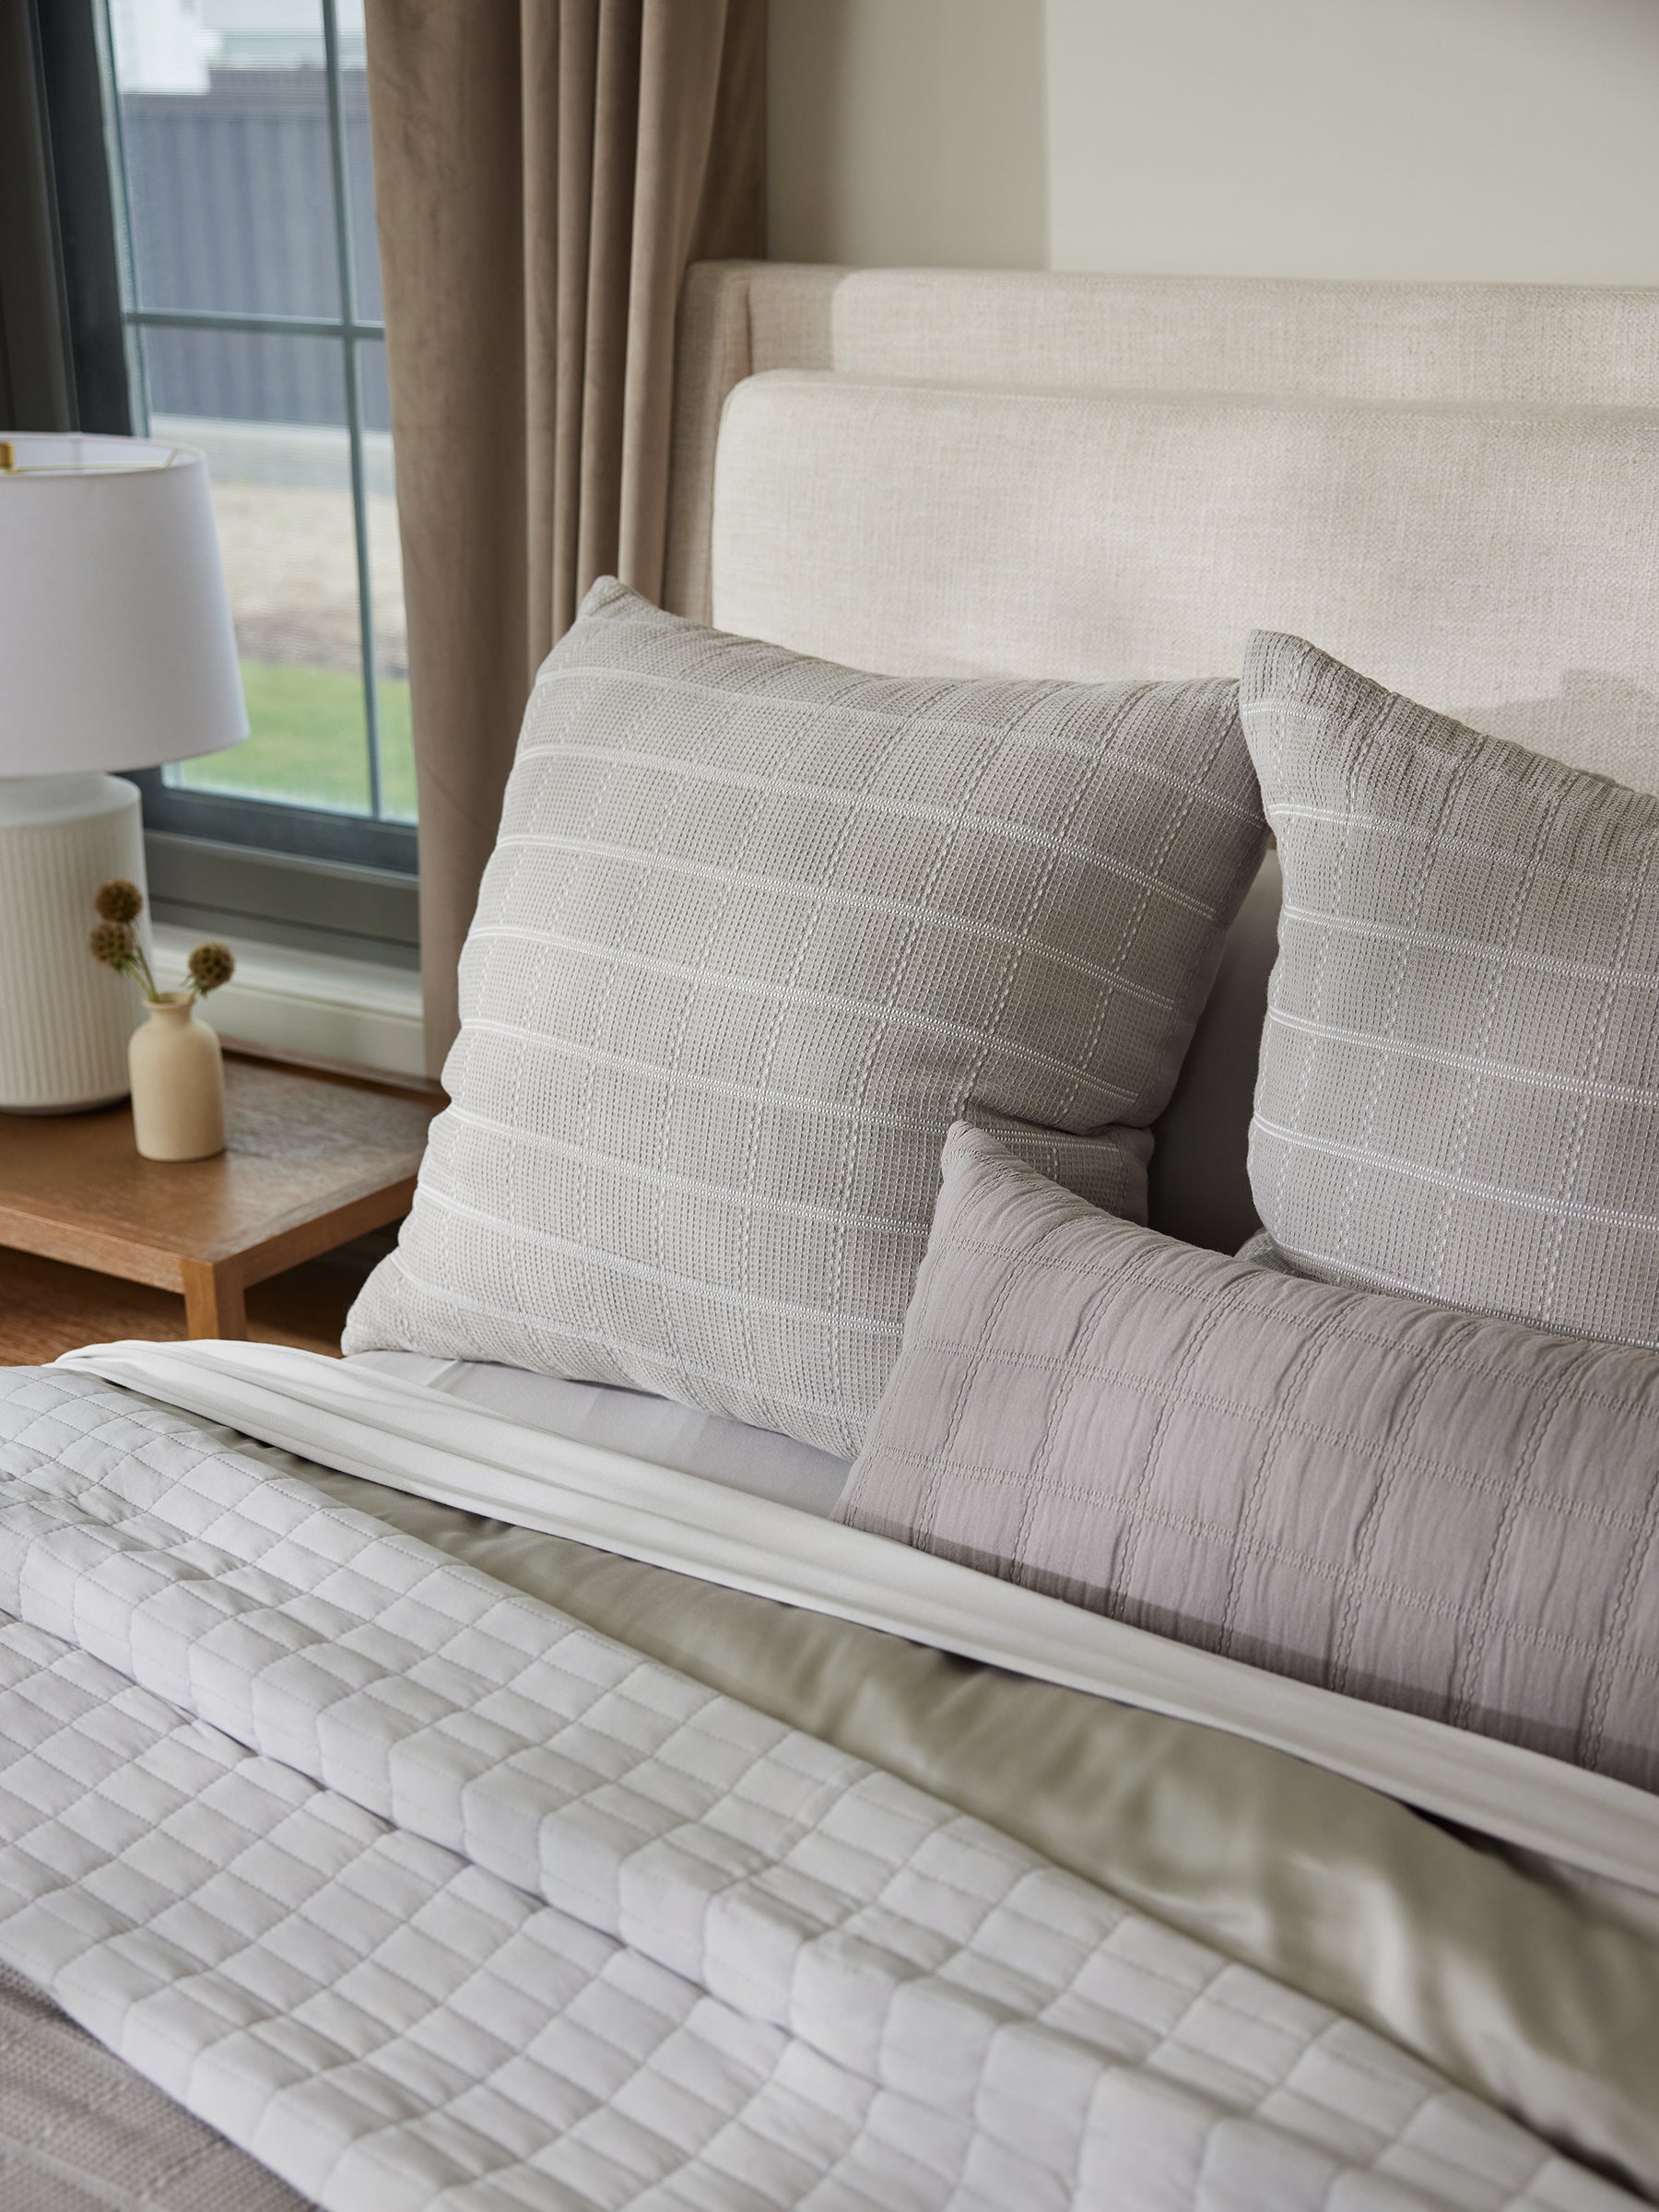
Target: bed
<point>427,1783</point>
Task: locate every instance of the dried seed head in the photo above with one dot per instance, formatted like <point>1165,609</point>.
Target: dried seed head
<point>119,901</point>
<point>112,942</point>
<point>211,965</point>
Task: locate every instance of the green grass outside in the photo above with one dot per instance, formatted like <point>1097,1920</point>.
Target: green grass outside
<point>307,744</point>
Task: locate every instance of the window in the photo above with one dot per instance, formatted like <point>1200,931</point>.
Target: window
<point>241,196</point>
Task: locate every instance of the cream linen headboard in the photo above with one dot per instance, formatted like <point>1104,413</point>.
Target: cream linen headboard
<point>1455,487</point>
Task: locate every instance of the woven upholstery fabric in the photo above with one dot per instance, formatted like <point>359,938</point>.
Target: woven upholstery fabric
<point>1547,346</point>
<point>1425,1509</point>
<point>758,929</point>
<point>1459,1084</point>
<point>1496,559</point>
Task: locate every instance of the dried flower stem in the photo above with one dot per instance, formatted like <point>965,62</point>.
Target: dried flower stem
<point>139,966</point>
<point>116,943</point>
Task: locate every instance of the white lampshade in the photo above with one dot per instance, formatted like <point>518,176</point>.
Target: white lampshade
<point>116,649</point>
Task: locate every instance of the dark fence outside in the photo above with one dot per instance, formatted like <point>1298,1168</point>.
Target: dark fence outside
<point>232,209</point>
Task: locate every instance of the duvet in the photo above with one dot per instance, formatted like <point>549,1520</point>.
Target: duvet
<point>445,1817</point>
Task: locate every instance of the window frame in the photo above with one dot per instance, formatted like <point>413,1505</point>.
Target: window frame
<point>311,868</point>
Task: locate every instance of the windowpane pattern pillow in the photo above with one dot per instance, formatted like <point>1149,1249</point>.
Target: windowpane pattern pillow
<point>1438,1510</point>
<point>757,930</point>
<point>1459,1083</point>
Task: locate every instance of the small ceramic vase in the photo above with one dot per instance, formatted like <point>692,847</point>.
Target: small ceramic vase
<point>178,1082</point>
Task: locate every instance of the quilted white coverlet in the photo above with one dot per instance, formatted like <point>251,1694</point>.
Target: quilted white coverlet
<point>426,1894</point>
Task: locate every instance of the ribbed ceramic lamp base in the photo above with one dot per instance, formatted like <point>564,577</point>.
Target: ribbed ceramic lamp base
<point>65,1021</point>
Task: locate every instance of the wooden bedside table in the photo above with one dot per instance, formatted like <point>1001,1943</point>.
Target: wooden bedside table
<point>313,1161</point>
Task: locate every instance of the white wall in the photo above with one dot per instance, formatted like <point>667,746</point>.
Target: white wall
<point>906,132</point>
<point>1457,139</point>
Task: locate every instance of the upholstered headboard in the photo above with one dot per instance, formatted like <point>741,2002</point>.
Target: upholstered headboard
<point>1455,487</point>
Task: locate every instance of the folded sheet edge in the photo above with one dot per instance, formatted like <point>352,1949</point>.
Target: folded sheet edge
<point>417,1440</point>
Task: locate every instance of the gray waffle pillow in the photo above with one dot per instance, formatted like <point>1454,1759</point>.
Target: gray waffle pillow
<point>1439,1510</point>
<point>1459,1084</point>
<point>758,929</point>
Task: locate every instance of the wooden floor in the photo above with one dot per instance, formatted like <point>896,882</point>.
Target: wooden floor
<point>47,1308</point>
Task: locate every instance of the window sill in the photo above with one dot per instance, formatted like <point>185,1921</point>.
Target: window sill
<point>321,1005</point>
<point>242,893</point>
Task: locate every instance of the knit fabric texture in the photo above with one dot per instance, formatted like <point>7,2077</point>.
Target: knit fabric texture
<point>1459,1084</point>
<point>757,930</point>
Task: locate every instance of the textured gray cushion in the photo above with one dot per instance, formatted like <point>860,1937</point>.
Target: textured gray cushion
<point>82,2131</point>
<point>1459,1084</point>
<point>1423,1508</point>
<point>757,930</point>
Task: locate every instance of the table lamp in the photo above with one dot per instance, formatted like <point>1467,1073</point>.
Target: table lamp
<point>116,650</point>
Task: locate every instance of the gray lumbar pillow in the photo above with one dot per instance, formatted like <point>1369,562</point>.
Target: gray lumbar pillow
<point>757,931</point>
<point>1459,1087</point>
<point>1440,1511</point>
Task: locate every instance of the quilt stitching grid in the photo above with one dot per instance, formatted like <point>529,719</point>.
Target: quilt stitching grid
<point>979,1896</point>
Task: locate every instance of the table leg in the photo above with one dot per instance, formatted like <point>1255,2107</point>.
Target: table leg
<point>214,1304</point>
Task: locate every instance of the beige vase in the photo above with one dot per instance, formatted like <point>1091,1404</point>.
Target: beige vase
<point>178,1082</point>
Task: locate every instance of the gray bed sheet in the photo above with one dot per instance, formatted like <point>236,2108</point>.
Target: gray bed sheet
<point>81,2132</point>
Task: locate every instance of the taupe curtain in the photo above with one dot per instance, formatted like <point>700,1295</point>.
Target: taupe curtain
<point>545,172</point>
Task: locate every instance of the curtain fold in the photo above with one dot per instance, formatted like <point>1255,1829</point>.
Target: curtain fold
<point>545,172</point>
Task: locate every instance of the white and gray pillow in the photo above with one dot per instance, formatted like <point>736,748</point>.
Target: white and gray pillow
<point>1439,1510</point>
<point>758,929</point>
<point>1459,1084</point>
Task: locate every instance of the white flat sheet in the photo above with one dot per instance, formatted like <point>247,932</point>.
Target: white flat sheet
<point>417,1440</point>
<point>757,1460</point>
